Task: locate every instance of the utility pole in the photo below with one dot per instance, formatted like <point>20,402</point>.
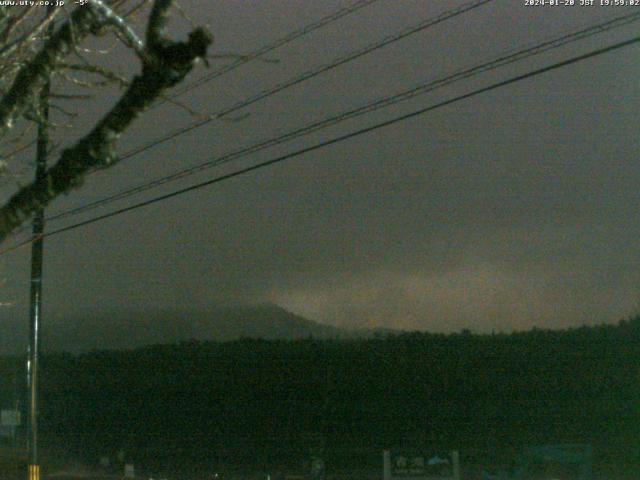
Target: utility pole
<point>36,282</point>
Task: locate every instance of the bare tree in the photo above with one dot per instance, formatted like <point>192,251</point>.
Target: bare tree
<point>32,53</point>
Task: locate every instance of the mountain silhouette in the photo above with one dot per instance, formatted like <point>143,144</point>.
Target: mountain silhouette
<point>126,329</point>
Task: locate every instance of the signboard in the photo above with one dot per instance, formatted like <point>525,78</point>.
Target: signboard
<point>129,471</point>
<point>404,464</point>
<point>561,461</point>
<point>10,418</point>
<point>317,469</point>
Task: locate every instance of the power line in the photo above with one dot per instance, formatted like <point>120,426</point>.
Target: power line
<point>425,24</point>
<point>343,12</point>
<point>502,60</point>
<point>338,139</point>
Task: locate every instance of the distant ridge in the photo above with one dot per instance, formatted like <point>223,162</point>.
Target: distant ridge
<point>126,330</point>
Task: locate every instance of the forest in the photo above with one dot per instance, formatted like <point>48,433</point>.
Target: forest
<point>268,405</point>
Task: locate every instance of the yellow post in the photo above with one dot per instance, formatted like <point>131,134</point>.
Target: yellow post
<point>34,472</point>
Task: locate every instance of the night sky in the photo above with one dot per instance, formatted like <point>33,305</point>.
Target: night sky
<point>516,208</point>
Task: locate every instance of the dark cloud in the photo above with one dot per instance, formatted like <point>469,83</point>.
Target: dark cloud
<point>513,209</point>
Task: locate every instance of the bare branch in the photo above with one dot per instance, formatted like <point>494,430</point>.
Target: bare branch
<point>13,23</point>
<point>34,75</point>
<point>82,83</point>
<point>17,150</point>
<point>158,20</point>
<point>184,14</point>
<point>63,96</point>
<point>97,70</point>
<point>33,33</point>
<point>111,17</point>
<point>191,111</point>
<point>166,64</point>
<point>64,111</point>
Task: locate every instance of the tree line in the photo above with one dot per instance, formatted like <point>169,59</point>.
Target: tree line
<point>269,405</point>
